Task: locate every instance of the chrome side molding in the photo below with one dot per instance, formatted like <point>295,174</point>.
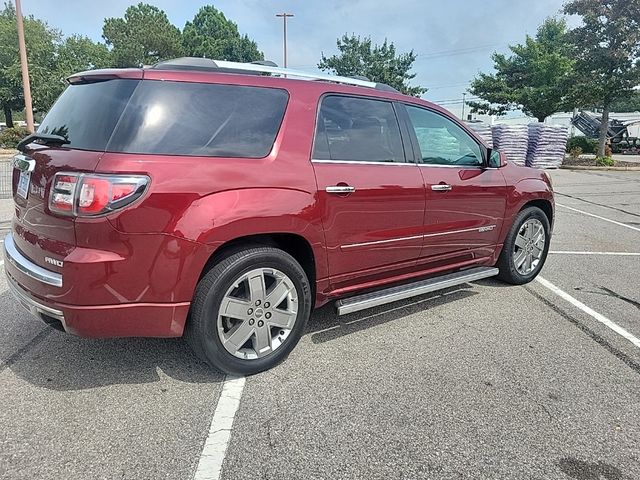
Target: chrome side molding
<point>388,295</point>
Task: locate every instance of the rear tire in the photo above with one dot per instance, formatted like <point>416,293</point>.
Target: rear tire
<point>249,311</point>
<point>525,248</point>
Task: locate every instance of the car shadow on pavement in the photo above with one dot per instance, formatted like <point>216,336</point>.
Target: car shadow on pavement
<point>59,361</point>
<point>325,325</point>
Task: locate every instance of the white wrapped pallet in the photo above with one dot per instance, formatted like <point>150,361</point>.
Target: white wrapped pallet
<point>512,140</point>
<point>483,130</point>
<point>547,144</point>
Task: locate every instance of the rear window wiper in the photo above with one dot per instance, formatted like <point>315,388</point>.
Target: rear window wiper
<point>43,139</point>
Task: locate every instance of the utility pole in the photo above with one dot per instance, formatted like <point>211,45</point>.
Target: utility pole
<point>24,67</point>
<point>284,17</point>
<point>464,94</point>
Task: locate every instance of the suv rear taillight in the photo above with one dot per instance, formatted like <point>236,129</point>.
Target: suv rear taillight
<point>87,195</point>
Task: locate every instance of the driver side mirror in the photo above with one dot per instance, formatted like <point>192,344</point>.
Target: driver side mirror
<point>494,158</point>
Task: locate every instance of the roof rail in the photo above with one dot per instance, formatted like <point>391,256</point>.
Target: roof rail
<point>256,68</point>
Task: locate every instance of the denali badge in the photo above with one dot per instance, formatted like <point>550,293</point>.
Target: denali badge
<point>53,261</point>
<point>488,228</point>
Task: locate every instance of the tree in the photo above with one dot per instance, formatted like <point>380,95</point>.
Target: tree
<point>74,54</point>
<point>379,63</point>
<point>628,103</point>
<point>210,34</point>
<point>143,37</point>
<point>534,78</point>
<point>40,41</point>
<point>606,49</point>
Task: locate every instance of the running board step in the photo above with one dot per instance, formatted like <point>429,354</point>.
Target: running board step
<point>388,295</point>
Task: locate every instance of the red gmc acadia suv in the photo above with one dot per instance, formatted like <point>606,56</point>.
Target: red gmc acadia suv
<point>224,201</point>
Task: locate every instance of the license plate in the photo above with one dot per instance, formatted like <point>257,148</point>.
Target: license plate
<point>23,184</point>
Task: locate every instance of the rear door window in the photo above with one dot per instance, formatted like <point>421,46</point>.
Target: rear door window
<point>357,129</point>
<point>180,118</point>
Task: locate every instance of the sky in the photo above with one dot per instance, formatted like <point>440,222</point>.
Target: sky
<point>453,39</point>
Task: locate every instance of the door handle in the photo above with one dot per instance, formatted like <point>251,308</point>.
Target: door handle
<point>340,189</point>
<point>441,187</point>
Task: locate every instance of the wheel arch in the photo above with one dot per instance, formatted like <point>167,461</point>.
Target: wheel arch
<point>544,205</point>
<point>294,244</point>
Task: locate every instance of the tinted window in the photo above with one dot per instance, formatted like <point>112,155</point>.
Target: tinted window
<point>441,141</point>
<point>179,118</point>
<point>357,129</point>
<point>87,114</point>
<point>172,118</point>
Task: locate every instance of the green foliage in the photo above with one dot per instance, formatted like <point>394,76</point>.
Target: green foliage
<point>51,60</point>
<point>605,162</point>
<point>379,63</point>
<point>606,47</point>
<point>74,54</point>
<point>41,45</point>
<point>143,36</point>
<point>9,137</point>
<point>533,79</point>
<point>628,103</point>
<point>588,145</point>
<point>575,152</point>
<point>210,34</point>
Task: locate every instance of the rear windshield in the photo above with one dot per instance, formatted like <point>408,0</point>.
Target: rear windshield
<point>87,114</point>
<point>170,118</point>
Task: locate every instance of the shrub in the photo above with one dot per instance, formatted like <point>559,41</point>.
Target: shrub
<point>587,145</point>
<point>575,152</point>
<point>605,162</point>
<point>9,137</point>
<point>607,150</point>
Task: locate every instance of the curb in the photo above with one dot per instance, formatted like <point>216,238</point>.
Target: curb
<point>615,169</point>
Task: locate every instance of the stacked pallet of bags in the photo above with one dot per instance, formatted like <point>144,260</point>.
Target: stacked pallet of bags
<point>483,130</point>
<point>547,144</point>
<point>512,140</point>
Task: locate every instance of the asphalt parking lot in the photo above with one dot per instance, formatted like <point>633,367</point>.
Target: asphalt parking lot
<point>480,381</point>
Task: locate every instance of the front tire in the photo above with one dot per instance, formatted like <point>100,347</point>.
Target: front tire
<point>249,311</point>
<point>525,248</point>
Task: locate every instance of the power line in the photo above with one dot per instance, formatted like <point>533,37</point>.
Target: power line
<point>447,53</point>
<point>449,85</point>
<point>454,100</point>
<point>459,51</point>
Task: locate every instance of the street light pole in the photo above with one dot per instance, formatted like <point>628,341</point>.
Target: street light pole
<point>24,67</point>
<point>464,94</point>
<point>284,17</point>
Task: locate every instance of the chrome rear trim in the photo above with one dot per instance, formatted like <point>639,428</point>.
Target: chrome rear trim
<point>33,306</point>
<point>26,266</point>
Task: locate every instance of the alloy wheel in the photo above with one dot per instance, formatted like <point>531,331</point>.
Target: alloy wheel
<point>529,246</point>
<point>257,313</point>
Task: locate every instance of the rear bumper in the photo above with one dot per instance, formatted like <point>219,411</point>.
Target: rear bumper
<point>118,320</point>
<point>26,266</point>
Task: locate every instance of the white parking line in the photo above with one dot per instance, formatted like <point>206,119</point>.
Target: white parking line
<point>215,446</point>
<point>601,218</point>
<point>623,254</point>
<point>589,311</point>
